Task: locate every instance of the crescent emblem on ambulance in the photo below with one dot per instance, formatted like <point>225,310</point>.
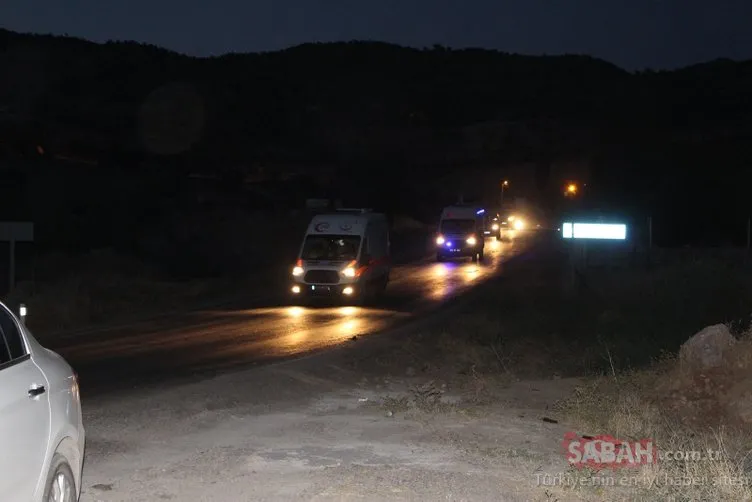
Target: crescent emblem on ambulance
<point>321,227</point>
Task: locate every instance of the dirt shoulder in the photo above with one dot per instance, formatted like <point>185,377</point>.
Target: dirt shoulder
<point>304,431</point>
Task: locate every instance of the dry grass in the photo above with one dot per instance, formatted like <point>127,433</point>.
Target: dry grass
<point>705,414</point>
<point>629,407</point>
<point>532,325</point>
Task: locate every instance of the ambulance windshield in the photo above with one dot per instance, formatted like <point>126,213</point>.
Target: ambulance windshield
<point>457,226</point>
<point>331,247</point>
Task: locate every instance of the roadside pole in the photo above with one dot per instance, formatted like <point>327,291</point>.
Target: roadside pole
<point>749,238</point>
<point>650,242</point>
<point>573,265</point>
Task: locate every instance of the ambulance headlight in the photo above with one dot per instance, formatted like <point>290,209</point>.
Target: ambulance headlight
<point>297,271</point>
<point>348,291</point>
<point>440,240</point>
<point>349,272</point>
<point>471,241</point>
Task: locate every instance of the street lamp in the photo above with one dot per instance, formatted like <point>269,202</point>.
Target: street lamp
<point>571,189</point>
<point>504,184</point>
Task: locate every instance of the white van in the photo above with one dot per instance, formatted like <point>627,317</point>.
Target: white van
<point>345,254</point>
<point>461,233</point>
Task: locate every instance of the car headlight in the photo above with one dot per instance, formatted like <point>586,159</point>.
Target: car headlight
<point>519,225</point>
<point>296,271</point>
<point>471,240</point>
<point>495,226</point>
<point>440,240</point>
<point>349,272</point>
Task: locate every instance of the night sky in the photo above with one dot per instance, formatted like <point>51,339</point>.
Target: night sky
<point>633,34</point>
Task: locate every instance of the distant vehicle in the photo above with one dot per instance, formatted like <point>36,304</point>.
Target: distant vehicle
<point>494,225</point>
<point>345,254</point>
<point>40,419</point>
<point>517,222</point>
<point>460,233</point>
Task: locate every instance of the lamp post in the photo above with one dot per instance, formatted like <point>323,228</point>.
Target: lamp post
<point>504,185</point>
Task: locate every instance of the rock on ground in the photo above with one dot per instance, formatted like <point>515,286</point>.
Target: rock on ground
<point>706,349</point>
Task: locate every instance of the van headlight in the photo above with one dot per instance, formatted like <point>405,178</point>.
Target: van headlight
<point>471,241</point>
<point>349,272</point>
<point>296,271</point>
<point>440,240</point>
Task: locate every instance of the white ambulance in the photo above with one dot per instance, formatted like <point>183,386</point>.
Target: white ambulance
<point>345,254</point>
<point>461,233</point>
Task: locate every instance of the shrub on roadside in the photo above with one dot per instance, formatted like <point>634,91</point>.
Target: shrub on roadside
<point>72,292</point>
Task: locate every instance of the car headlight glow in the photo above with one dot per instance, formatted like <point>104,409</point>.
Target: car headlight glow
<point>347,291</point>
<point>440,240</point>
<point>471,240</point>
<point>495,226</point>
<point>296,271</point>
<point>349,272</point>
<point>519,224</point>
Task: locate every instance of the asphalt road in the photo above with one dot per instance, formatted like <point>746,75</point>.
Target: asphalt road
<point>193,345</point>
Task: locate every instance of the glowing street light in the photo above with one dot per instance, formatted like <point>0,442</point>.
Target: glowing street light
<point>571,189</point>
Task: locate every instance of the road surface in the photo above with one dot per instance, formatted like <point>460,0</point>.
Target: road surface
<point>202,343</point>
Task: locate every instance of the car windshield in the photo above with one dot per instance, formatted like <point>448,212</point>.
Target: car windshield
<point>331,247</point>
<point>457,226</point>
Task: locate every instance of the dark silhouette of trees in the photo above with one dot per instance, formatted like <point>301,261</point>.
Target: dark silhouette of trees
<point>305,101</point>
<point>372,112</point>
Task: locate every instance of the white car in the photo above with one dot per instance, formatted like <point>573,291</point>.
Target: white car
<point>40,419</point>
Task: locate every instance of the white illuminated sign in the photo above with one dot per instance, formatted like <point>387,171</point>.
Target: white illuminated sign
<point>608,231</point>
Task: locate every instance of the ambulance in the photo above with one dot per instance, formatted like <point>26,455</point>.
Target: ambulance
<point>344,255</point>
<point>461,233</point>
